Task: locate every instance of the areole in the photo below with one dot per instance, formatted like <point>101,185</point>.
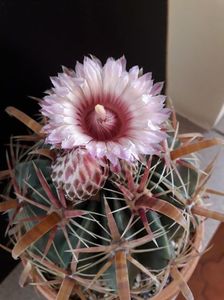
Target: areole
<point>168,293</point>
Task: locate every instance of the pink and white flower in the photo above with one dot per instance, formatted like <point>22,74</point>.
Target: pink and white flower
<point>113,113</point>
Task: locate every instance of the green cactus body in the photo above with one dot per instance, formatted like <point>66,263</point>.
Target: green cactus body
<point>91,228</point>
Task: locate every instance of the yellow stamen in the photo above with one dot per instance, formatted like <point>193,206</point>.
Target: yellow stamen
<point>101,112</point>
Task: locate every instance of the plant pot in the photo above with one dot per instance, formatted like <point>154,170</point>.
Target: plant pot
<point>170,292</point>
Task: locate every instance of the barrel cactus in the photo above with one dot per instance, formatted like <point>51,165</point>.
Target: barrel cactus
<point>104,194</point>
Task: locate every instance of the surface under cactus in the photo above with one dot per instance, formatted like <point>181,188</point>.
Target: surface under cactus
<point>90,228</point>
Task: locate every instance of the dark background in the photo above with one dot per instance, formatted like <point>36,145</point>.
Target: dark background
<point>37,37</point>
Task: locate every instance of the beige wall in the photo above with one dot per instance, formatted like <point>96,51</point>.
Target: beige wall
<point>195,70</point>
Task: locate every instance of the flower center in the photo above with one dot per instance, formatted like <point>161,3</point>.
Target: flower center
<point>101,112</point>
<point>102,123</point>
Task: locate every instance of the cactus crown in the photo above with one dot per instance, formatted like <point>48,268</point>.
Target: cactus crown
<point>91,229</point>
